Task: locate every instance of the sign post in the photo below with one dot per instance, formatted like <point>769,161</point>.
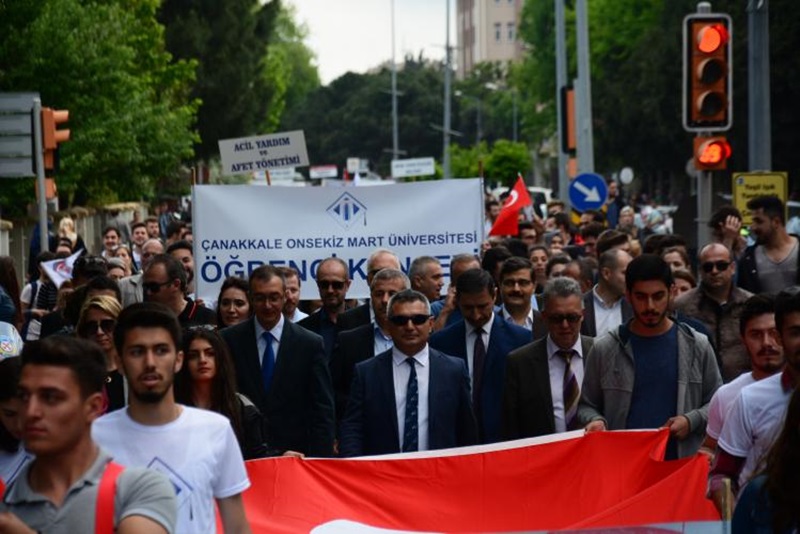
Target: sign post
<point>588,191</point>
<point>405,168</point>
<point>747,185</point>
<point>263,152</point>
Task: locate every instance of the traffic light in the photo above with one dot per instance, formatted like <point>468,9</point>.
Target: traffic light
<point>707,72</point>
<point>711,153</point>
<point>51,136</point>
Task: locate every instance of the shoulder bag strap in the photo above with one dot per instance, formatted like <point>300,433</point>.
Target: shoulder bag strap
<point>104,513</point>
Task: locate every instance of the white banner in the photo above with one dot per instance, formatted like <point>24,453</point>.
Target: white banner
<point>239,227</point>
<point>263,152</point>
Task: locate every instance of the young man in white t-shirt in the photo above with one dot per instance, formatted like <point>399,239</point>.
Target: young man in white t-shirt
<point>195,448</point>
<point>760,338</point>
<point>756,416</point>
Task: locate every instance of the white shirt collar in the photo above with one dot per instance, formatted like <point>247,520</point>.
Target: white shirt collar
<point>552,348</point>
<point>422,356</point>
<point>276,330</point>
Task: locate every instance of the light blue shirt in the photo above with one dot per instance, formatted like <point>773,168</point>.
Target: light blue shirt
<point>401,371</point>
<point>557,366</point>
<point>381,340</point>
<point>261,343</point>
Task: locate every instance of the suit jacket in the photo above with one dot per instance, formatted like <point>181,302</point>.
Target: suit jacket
<point>354,317</point>
<point>527,397</point>
<point>504,338</point>
<point>352,347</point>
<point>589,326</point>
<point>370,425</point>
<point>131,289</point>
<point>299,406</point>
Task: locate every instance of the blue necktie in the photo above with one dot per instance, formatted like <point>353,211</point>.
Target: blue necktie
<point>411,428</point>
<point>268,362</point>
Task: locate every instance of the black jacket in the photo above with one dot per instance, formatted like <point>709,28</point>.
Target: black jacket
<point>747,269</point>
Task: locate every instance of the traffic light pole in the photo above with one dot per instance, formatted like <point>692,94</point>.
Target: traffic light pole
<point>38,150</point>
<point>758,109</point>
<point>704,201</point>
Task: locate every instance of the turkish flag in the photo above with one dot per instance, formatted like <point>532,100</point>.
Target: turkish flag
<point>563,481</point>
<point>507,222</point>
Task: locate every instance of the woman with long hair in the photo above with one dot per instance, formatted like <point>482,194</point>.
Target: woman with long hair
<point>771,501</point>
<point>123,252</point>
<point>10,306</point>
<point>207,380</point>
<point>98,318</point>
<point>233,305</point>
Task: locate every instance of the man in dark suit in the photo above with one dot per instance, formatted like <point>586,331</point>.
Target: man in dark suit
<point>333,281</point>
<point>282,368</point>
<point>360,315</point>
<point>410,398</point>
<point>537,379</point>
<point>483,339</point>
<point>362,343</point>
<point>605,306</point>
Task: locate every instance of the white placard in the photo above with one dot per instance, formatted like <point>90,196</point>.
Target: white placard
<point>239,227</point>
<point>403,168</point>
<point>323,171</point>
<point>353,165</point>
<point>263,152</point>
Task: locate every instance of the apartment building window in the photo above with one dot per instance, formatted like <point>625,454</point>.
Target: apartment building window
<point>510,29</point>
<point>497,32</point>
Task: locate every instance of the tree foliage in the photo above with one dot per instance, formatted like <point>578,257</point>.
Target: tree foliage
<point>130,115</point>
<point>229,40</point>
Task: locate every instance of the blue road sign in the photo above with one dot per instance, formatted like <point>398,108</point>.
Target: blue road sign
<point>588,192</point>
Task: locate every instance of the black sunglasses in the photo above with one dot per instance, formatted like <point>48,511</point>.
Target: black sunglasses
<point>571,318</point>
<point>338,285</point>
<point>106,325</point>
<point>154,287</point>
<point>402,320</point>
<point>720,265</point>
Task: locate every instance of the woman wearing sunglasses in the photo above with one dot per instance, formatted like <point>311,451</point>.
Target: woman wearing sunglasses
<point>207,381</point>
<point>96,323</point>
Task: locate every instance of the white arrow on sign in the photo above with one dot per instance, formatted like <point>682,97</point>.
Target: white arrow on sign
<point>592,195</point>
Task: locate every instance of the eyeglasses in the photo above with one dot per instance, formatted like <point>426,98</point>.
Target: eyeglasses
<point>154,287</point>
<point>402,320</point>
<point>106,325</point>
<point>521,282</point>
<point>337,285</point>
<point>571,318</point>
<point>720,265</point>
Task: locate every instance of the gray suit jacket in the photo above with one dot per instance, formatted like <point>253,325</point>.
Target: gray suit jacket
<point>131,288</point>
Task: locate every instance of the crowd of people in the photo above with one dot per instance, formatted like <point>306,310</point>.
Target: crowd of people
<point>609,324</point>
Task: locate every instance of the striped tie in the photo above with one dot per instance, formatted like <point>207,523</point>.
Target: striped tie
<point>572,391</point>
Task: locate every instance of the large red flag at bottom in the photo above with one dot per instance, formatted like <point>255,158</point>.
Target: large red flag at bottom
<point>507,222</point>
<point>568,481</point>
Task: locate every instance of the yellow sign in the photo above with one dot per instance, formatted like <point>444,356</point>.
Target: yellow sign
<point>747,185</point>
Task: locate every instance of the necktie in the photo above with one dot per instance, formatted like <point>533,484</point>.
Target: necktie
<point>268,362</point>
<point>478,359</point>
<point>572,392</point>
<point>411,428</point>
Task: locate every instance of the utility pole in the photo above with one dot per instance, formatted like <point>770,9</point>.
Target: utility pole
<point>561,82</point>
<point>759,127</point>
<point>446,128</point>
<point>583,87</point>
<point>395,129</point>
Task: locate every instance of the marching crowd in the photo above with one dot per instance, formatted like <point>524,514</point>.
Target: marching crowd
<point>609,325</point>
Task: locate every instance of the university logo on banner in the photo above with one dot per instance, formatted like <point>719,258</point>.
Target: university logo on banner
<point>347,211</point>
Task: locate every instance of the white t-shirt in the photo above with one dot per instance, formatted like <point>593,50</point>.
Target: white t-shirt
<point>198,452</point>
<point>722,401</point>
<point>753,423</point>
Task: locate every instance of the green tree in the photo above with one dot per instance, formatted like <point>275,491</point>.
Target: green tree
<point>229,39</point>
<point>130,116</point>
<point>506,160</point>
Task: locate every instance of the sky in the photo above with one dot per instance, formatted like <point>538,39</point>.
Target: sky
<point>355,35</point>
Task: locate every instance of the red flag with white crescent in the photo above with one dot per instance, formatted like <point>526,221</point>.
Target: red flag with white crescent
<point>507,222</point>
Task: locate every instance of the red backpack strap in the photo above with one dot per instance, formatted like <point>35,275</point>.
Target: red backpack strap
<point>104,513</point>
<point>2,488</point>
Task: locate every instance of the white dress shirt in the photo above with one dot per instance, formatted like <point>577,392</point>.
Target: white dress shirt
<point>261,343</point>
<point>401,371</point>
<point>557,366</point>
<point>487,330</point>
<point>606,316</point>
<point>528,320</point>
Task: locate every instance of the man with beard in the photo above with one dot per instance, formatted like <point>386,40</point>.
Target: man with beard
<point>773,263</point>
<point>756,416</point>
<point>164,281</point>
<point>195,448</point>
<point>138,239</point>
<point>333,281</point>
<point>718,304</point>
<point>651,372</point>
<point>290,310</point>
<point>760,338</point>
<point>182,251</point>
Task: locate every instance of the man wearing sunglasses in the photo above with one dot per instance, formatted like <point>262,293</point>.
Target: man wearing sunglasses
<point>718,304</point>
<point>409,398</point>
<point>543,379</point>
<point>164,281</point>
<point>333,281</point>
<point>651,372</point>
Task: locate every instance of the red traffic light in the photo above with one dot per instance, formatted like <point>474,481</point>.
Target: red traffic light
<point>710,38</point>
<point>51,136</point>
<point>711,153</point>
